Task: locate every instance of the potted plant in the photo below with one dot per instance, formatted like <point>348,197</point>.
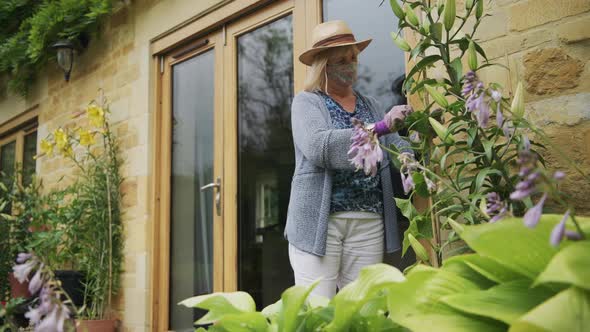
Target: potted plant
<point>90,216</point>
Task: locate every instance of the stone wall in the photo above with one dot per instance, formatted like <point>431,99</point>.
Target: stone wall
<point>111,63</point>
<point>546,45</point>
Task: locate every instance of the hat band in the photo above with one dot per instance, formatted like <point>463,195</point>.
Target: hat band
<point>343,38</point>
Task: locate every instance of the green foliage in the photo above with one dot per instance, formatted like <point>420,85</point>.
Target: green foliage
<point>503,286</point>
<point>93,208</point>
<point>19,207</point>
<point>29,27</point>
<point>465,154</point>
<point>7,311</point>
<point>78,227</point>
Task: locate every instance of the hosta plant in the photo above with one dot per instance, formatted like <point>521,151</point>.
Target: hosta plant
<point>514,281</point>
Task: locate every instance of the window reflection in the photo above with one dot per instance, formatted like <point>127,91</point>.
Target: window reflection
<point>266,158</point>
<point>382,64</point>
<point>191,243</point>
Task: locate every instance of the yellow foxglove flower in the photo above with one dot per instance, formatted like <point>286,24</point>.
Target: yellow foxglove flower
<point>46,147</point>
<point>61,138</point>
<point>67,151</point>
<point>86,138</point>
<point>95,115</point>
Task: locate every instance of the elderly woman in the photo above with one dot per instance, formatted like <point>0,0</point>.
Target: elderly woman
<point>340,219</point>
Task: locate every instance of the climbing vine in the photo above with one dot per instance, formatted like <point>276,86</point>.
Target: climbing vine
<point>29,27</point>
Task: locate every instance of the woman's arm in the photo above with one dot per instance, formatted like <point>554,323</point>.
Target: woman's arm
<point>323,146</point>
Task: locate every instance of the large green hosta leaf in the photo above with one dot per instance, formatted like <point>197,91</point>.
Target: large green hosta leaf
<point>352,297</point>
<point>509,242</point>
<point>242,322</point>
<point>220,304</point>
<point>415,303</point>
<point>485,266</point>
<point>570,266</point>
<point>292,301</point>
<point>505,302</point>
<point>567,311</point>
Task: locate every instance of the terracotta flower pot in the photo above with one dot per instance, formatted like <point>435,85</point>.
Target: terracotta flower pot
<point>103,325</point>
<point>17,289</point>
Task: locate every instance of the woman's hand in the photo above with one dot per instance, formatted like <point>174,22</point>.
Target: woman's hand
<point>393,120</point>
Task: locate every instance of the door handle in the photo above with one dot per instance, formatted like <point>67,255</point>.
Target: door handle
<point>215,185</point>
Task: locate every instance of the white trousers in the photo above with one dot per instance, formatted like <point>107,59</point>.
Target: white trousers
<point>352,244</point>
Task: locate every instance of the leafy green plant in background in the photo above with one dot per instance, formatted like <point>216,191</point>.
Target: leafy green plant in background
<point>19,206</point>
<point>29,27</point>
<point>514,281</point>
<point>474,157</point>
<point>79,226</point>
<point>92,204</point>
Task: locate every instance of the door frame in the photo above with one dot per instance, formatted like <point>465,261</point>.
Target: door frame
<point>233,19</point>
<point>163,172</point>
<point>247,24</point>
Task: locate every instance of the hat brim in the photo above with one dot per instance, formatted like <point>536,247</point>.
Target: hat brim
<point>307,56</point>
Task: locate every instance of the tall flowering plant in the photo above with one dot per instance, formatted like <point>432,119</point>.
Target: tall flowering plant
<point>474,156</point>
<point>91,206</point>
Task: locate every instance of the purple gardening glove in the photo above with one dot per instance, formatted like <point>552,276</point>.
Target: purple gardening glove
<point>393,120</point>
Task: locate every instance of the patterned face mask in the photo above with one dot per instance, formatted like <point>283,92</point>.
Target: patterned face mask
<point>344,74</point>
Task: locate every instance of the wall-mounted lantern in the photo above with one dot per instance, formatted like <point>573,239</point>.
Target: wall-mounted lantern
<point>65,56</point>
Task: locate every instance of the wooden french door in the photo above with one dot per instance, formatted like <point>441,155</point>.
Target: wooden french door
<point>191,187</point>
<point>224,161</point>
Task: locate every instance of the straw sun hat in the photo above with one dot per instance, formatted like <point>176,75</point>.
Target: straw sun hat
<point>331,34</point>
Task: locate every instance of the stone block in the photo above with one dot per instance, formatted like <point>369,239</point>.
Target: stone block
<point>129,192</point>
<point>550,71</point>
<point>568,110</point>
<point>513,43</point>
<point>531,13</point>
<point>135,312</point>
<point>574,142</point>
<point>493,26</point>
<point>575,31</point>
<point>136,238</point>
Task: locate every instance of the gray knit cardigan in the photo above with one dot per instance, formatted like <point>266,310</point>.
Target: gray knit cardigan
<point>320,149</point>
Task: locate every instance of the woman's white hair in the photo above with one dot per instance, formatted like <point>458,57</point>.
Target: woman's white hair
<point>316,76</point>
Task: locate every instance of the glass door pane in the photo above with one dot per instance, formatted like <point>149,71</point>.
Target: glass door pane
<point>265,158</point>
<point>382,64</point>
<point>191,242</point>
<point>8,163</point>
<point>29,162</point>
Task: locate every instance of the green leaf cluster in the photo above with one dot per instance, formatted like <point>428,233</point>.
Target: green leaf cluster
<point>465,157</point>
<point>507,284</point>
<point>29,27</point>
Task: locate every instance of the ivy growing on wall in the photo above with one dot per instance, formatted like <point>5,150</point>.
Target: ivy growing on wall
<point>28,28</point>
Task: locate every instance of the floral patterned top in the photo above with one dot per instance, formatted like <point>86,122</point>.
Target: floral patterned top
<point>353,190</point>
